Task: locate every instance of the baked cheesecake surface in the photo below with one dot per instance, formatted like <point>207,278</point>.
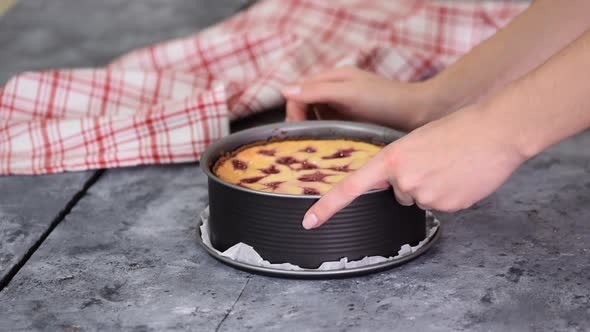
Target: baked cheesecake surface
<point>298,167</point>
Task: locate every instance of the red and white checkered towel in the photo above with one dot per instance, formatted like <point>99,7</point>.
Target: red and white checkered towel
<point>166,103</point>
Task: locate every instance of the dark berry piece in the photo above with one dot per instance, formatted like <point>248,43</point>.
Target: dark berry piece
<point>287,160</point>
<point>314,177</point>
<point>252,180</point>
<point>272,169</point>
<point>310,191</point>
<point>340,168</point>
<point>267,152</point>
<point>307,165</point>
<point>343,153</point>
<point>273,185</point>
<point>309,149</point>
<point>238,164</point>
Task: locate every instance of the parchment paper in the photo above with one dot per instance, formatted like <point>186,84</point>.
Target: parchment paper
<point>244,253</point>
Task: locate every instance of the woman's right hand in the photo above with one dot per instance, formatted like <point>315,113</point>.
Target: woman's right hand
<point>445,165</point>
<point>348,93</point>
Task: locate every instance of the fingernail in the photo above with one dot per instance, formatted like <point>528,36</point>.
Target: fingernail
<point>310,221</point>
<point>292,90</point>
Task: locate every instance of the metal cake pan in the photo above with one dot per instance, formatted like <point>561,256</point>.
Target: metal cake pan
<point>321,274</point>
<point>374,224</point>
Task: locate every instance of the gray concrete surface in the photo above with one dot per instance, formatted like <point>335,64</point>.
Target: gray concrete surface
<point>70,33</point>
<point>40,35</point>
<point>28,207</point>
<point>126,258</point>
<point>37,34</point>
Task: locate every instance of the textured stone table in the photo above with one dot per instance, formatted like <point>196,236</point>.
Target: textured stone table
<point>117,250</point>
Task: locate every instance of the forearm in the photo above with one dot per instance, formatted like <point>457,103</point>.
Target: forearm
<point>529,40</point>
<point>548,105</point>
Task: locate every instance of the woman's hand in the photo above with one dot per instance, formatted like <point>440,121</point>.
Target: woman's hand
<point>446,165</point>
<point>352,94</point>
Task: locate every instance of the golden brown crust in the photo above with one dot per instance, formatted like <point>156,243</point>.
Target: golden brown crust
<point>228,155</point>
<point>298,166</point>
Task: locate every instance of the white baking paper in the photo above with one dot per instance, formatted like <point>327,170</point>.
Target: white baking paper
<point>244,253</point>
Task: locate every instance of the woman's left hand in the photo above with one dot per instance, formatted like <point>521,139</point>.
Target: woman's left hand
<point>447,165</point>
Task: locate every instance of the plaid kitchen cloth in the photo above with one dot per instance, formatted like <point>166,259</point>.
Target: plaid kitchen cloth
<point>167,102</point>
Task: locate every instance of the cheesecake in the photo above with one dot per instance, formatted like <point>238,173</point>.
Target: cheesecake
<point>296,167</point>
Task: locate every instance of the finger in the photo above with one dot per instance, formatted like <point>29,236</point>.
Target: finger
<point>423,207</point>
<point>295,111</point>
<point>344,192</point>
<point>336,74</point>
<point>381,185</point>
<point>319,92</point>
<point>404,199</point>
<point>425,198</point>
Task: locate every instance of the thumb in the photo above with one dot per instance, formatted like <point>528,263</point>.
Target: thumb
<point>295,111</point>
